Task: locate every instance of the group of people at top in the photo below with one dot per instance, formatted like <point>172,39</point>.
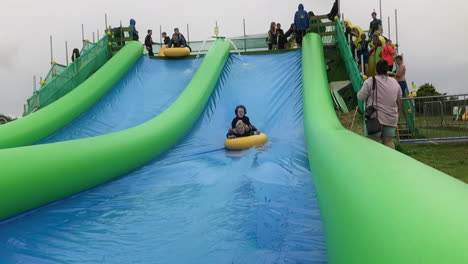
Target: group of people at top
<point>303,22</point>
<point>366,48</point>
<point>177,41</point>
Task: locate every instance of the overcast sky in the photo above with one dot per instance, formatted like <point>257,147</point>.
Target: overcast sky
<point>431,33</point>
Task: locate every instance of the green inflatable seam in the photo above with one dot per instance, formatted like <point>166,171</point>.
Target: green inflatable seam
<point>377,205</point>
<point>36,175</point>
<point>43,123</point>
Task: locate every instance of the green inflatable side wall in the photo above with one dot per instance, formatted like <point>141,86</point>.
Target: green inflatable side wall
<point>377,205</point>
<point>41,124</point>
<point>35,175</point>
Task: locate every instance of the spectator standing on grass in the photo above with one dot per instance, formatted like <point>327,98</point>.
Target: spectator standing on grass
<point>386,98</point>
<point>301,21</point>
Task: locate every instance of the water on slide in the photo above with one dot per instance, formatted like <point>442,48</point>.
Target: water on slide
<point>146,90</point>
<point>198,203</point>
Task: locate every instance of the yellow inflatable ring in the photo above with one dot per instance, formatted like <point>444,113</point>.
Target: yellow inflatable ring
<point>176,52</point>
<point>246,142</point>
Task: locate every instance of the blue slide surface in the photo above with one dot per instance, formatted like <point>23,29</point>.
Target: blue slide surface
<point>146,90</point>
<point>198,203</point>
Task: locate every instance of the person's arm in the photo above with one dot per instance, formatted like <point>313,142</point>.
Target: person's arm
<point>364,93</point>
<point>170,43</point>
<point>230,134</point>
<point>183,43</point>
<point>399,102</point>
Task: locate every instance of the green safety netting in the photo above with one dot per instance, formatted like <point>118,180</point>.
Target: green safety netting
<point>61,80</point>
<point>351,66</point>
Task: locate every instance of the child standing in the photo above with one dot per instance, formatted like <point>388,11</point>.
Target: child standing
<point>387,54</point>
<point>363,52</point>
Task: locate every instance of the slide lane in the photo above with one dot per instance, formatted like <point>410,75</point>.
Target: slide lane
<point>199,203</point>
<point>145,91</point>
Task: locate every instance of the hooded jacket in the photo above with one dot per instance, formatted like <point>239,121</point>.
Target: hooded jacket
<point>135,32</point>
<point>301,18</point>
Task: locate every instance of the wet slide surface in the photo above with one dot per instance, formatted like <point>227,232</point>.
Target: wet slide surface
<point>198,203</point>
<point>147,89</point>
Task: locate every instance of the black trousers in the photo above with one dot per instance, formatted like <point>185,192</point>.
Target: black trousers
<point>150,50</point>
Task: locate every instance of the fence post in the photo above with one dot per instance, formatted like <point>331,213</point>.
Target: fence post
<point>245,37</point>
<point>389,32</point>
<point>82,32</point>
<point>160,36</point>
<point>188,35</point>
<point>51,51</point>
<point>396,28</point>
<point>66,51</point>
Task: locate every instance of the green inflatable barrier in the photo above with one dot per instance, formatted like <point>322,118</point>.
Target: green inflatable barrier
<point>377,205</point>
<point>43,123</point>
<point>36,175</point>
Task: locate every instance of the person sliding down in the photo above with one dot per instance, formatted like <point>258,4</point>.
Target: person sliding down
<point>240,131</point>
<point>240,112</point>
<point>177,42</point>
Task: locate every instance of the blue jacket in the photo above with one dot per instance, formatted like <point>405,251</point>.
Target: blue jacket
<point>135,32</point>
<point>301,19</point>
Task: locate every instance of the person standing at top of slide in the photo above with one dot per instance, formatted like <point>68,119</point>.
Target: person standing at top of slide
<point>301,20</point>
<point>375,25</point>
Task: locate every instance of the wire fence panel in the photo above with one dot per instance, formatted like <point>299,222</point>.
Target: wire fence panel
<point>443,116</point>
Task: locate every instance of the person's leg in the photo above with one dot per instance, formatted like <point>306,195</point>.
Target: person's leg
<point>374,138</point>
<point>300,35</point>
<point>388,133</point>
<point>150,51</point>
<point>388,141</point>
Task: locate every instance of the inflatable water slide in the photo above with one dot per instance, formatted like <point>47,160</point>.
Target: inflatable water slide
<point>130,167</point>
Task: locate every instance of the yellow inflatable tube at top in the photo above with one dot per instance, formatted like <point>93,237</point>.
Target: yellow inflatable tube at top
<point>174,52</point>
<point>246,142</point>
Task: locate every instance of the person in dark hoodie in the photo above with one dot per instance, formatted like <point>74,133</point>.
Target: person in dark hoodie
<point>301,20</point>
<point>149,43</point>
<point>75,54</point>
<point>135,31</point>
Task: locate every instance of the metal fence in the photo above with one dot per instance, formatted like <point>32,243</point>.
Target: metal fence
<point>435,117</point>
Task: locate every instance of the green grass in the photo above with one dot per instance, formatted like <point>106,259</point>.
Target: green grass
<point>451,158</point>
